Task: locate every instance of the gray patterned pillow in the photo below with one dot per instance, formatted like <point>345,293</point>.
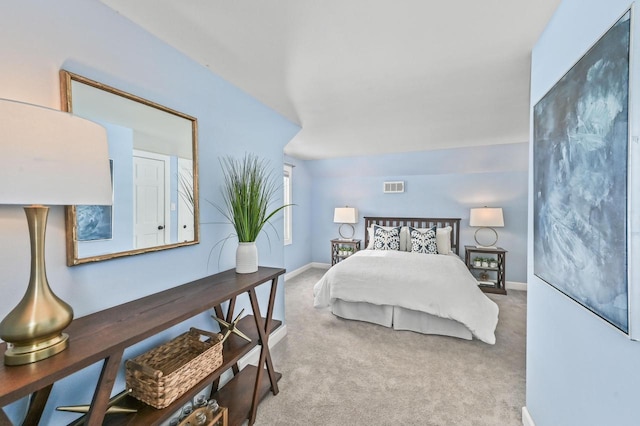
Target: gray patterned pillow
<point>384,239</point>
<point>423,242</point>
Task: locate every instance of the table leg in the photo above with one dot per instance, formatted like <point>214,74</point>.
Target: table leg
<point>218,311</point>
<point>267,329</point>
<point>265,355</point>
<point>100,401</point>
<point>272,299</point>
<point>37,403</point>
<point>4,420</point>
<point>232,307</point>
<point>229,318</point>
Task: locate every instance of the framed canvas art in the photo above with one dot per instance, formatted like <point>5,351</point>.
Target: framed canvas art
<point>95,222</point>
<point>581,144</point>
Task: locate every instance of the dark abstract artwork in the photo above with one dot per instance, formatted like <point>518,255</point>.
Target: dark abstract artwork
<point>580,179</point>
<point>95,222</point>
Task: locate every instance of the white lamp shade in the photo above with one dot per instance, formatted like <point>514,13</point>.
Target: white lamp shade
<point>486,216</point>
<point>51,157</point>
<point>345,215</point>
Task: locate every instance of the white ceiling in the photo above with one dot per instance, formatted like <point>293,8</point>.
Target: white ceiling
<point>367,76</point>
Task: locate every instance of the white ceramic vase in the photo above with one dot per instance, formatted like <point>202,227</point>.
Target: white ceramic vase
<point>246,258</point>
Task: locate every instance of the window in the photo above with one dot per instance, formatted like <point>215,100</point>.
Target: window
<point>288,199</point>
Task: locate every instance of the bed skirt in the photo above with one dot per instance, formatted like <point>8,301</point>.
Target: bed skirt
<point>400,318</point>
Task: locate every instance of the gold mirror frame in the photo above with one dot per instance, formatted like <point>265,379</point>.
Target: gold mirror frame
<point>66,79</point>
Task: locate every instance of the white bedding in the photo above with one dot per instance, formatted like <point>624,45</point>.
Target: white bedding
<point>440,285</point>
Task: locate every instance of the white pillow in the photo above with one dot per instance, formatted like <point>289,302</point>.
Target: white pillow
<point>443,239</point>
<point>405,239</point>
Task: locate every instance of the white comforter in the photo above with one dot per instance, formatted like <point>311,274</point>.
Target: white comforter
<point>440,285</point>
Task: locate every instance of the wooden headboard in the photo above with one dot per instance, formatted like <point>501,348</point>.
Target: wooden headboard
<point>416,222</point>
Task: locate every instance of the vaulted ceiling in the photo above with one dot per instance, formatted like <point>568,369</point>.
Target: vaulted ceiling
<point>367,76</point>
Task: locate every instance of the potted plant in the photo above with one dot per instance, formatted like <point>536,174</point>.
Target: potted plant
<point>493,263</point>
<point>485,263</point>
<point>477,262</point>
<point>248,190</point>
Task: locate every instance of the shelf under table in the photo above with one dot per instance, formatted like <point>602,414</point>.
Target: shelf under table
<point>237,394</point>
<point>234,349</point>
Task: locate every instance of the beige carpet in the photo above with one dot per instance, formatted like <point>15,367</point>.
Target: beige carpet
<point>340,372</point>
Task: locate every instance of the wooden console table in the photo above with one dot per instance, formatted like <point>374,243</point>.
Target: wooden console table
<point>106,334</point>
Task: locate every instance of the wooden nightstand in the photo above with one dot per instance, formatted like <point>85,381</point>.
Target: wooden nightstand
<point>491,278</point>
<point>341,249</point>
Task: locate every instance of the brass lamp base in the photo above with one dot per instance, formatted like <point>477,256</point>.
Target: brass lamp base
<point>28,353</point>
<point>33,329</point>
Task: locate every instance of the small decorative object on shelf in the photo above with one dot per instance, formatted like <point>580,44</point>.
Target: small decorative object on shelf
<point>200,418</point>
<point>112,408</point>
<point>230,327</point>
<point>213,406</point>
<point>200,401</point>
<point>341,249</point>
<point>488,267</point>
<point>186,411</point>
<point>206,416</point>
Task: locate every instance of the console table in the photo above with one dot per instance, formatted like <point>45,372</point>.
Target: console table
<point>106,334</point>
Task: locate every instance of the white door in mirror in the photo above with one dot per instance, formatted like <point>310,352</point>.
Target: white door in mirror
<point>149,201</point>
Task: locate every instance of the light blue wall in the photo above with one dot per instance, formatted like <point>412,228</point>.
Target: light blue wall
<point>298,253</point>
<point>86,37</point>
<point>444,183</point>
<point>580,370</point>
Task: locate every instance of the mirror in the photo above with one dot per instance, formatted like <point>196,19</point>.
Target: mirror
<point>154,170</point>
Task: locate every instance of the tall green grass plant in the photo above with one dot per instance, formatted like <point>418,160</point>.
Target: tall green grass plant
<point>248,190</point>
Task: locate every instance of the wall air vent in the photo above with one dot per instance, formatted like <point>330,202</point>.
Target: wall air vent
<point>393,187</point>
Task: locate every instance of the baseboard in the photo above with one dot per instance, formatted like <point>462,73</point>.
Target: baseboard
<point>527,420</point>
<point>514,285</point>
<point>297,272</point>
<point>305,268</point>
<point>320,265</point>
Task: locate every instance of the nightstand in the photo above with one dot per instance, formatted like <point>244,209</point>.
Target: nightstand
<point>490,272</point>
<point>341,249</point>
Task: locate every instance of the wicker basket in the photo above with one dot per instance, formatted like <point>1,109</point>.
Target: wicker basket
<point>163,374</point>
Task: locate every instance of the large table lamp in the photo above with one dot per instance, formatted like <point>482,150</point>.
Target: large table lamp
<point>48,157</point>
<point>486,218</point>
<point>346,216</point>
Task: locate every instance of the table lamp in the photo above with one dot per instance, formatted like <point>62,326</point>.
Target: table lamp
<point>48,157</point>
<point>346,216</point>
<point>486,218</point>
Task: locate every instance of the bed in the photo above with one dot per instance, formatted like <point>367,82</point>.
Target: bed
<point>425,293</point>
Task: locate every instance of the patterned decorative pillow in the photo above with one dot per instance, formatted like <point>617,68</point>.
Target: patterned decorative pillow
<point>423,242</point>
<point>386,239</point>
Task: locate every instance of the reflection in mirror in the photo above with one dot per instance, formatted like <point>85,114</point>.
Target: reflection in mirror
<point>153,154</point>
